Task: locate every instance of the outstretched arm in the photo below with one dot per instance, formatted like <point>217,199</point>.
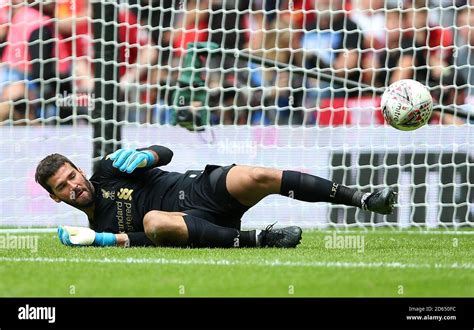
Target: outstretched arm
<point>162,155</point>
<point>82,236</point>
<point>127,160</point>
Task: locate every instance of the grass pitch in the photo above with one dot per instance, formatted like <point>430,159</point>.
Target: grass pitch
<point>388,264</point>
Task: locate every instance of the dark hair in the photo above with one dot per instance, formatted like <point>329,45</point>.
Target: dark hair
<point>48,167</point>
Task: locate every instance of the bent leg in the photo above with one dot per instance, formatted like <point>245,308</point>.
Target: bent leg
<point>166,228</point>
<point>250,184</point>
<point>181,229</point>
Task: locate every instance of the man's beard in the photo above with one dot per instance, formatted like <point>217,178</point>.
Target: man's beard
<point>86,203</point>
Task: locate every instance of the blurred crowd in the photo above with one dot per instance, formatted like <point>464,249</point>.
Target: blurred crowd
<point>356,47</point>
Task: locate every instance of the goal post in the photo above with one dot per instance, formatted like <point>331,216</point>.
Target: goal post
<point>294,86</point>
<point>106,114</point>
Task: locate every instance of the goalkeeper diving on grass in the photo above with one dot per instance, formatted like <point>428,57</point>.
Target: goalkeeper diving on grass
<point>130,201</point>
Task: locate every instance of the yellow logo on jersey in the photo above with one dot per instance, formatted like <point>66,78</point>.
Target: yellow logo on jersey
<point>125,194</point>
<point>108,194</point>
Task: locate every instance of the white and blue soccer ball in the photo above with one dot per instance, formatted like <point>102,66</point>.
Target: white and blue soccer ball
<point>407,105</point>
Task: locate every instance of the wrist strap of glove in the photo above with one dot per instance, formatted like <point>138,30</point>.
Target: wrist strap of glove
<point>150,159</point>
<point>105,239</point>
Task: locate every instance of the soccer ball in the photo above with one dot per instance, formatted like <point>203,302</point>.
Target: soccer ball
<point>407,105</point>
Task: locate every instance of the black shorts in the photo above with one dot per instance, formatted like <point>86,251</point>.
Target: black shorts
<point>207,197</point>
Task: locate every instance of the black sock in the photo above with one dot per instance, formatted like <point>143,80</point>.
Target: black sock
<point>203,233</point>
<point>310,188</point>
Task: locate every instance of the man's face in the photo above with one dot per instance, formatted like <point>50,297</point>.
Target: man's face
<point>71,186</point>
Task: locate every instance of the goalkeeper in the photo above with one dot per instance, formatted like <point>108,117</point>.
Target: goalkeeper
<point>129,201</point>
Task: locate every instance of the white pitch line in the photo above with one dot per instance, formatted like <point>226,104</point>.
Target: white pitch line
<point>224,262</point>
<point>411,232</point>
<point>339,231</point>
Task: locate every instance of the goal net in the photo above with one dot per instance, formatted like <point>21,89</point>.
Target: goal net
<point>290,84</point>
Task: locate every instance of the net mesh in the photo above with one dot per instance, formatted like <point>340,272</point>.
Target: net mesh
<point>291,84</point>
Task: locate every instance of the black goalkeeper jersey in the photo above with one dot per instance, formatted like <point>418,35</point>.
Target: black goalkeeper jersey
<point>122,200</point>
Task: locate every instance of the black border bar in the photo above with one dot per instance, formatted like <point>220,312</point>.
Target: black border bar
<point>238,313</point>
